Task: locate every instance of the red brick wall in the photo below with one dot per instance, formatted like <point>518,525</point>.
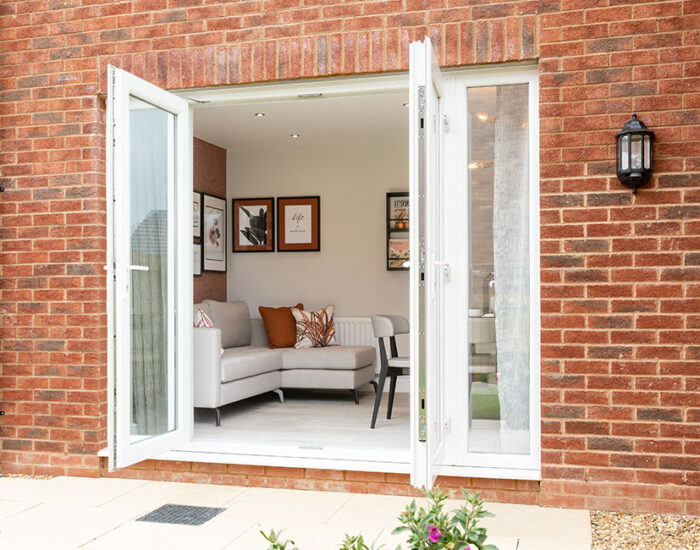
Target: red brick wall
<point>209,176</point>
<point>620,290</point>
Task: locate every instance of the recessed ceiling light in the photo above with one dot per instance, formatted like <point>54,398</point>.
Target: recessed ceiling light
<point>294,136</point>
<point>259,114</point>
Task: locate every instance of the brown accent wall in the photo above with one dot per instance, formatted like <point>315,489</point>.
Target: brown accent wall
<point>209,176</point>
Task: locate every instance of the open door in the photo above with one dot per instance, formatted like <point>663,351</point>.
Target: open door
<point>428,272</point>
<point>149,189</point>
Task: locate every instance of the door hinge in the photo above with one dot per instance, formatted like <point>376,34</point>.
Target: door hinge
<point>445,123</point>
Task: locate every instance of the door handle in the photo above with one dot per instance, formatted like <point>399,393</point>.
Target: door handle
<point>444,267</point>
<point>138,268</point>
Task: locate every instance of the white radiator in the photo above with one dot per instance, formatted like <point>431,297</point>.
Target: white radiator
<point>356,331</point>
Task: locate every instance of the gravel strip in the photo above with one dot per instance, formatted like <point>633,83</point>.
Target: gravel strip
<point>617,531</point>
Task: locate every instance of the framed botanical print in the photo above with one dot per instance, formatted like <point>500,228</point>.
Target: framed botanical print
<point>196,214</point>
<point>253,225</point>
<point>197,260</point>
<point>298,224</point>
<point>214,232</point>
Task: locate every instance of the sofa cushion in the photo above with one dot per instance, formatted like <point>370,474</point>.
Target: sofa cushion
<point>233,320</point>
<point>245,361</point>
<point>280,325</point>
<point>314,329</point>
<point>330,357</point>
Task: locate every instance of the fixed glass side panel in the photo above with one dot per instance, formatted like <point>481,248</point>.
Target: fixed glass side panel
<point>499,261</point>
<point>151,187</point>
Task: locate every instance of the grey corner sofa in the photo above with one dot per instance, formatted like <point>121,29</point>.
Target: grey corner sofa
<point>233,361</point>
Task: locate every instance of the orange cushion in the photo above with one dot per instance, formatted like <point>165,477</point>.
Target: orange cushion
<point>280,325</point>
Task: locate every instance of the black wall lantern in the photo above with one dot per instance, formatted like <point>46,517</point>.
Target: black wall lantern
<point>635,156</point>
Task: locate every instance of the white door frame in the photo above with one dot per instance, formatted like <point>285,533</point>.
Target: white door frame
<point>201,450</point>
<point>457,460</point>
<point>123,449</point>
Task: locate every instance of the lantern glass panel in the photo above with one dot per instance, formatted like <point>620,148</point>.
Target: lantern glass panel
<point>636,152</point>
<point>647,152</point>
<point>624,153</point>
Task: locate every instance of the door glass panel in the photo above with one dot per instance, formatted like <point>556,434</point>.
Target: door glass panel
<point>499,296</point>
<point>151,184</point>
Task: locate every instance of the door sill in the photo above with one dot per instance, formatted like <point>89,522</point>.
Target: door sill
<point>291,457</point>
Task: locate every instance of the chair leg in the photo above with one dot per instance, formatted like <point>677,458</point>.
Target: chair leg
<point>356,396</point>
<point>218,416</point>
<point>378,397</point>
<point>374,385</point>
<point>280,394</point>
<point>392,390</point>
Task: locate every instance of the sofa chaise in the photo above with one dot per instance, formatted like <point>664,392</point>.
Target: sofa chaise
<point>233,361</point>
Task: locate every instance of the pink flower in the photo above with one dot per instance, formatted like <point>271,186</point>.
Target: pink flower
<point>434,533</point>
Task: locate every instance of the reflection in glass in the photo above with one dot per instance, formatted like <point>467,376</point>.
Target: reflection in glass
<point>151,158</point>
<point>499,308</point>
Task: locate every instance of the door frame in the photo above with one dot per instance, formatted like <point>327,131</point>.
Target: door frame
<point>122,451</point>
<point>457,456</point>
<point>202,450</point>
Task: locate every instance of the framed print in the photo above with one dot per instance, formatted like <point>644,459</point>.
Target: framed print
<point>253,225</point>
<point>298,224</point>
<point>214,233</point>
<point>196,214</point>
<point>197,260</point>
<point>398,250</point>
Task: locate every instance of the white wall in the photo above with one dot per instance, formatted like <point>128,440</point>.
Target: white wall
<point>350,270</point>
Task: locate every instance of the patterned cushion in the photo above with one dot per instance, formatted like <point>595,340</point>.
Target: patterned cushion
<point>202,320</point>
<point>315,329</point>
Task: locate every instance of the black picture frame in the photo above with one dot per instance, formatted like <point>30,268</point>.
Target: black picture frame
<point>218,265</point>
<point>312,201</point>
<point>197,218</point>
<point>240,204</point>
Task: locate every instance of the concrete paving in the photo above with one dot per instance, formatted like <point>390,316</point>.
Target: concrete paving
<point>67,513</point>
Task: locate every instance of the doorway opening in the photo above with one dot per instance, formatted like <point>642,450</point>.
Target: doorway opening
<point>348,152</point>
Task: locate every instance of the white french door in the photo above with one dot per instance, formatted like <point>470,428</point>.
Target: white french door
<point>474,270</point>
<point>428,271</point>
<point>149,189</point>
<point>491,241</point>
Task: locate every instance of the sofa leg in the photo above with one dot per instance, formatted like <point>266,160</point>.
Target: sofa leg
<point>374,384</point>
<point>356,396</point>
<point>218,416</point>
<point>280,394</point>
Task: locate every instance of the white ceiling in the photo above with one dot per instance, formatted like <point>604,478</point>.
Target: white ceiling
<point>319,121</point>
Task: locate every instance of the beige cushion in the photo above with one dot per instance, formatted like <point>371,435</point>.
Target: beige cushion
<point>330,357</point>
<point>400,362</point>
<point>233,320</point>
<point>242,362</point>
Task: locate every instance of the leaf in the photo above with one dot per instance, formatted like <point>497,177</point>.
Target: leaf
<point>490,547</point>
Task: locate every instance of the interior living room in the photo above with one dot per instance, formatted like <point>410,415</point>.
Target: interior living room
<point>302,203</point>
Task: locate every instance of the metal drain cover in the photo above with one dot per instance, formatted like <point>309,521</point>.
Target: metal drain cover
<point>181,515</point>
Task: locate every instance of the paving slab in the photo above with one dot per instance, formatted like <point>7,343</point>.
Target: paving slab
<point>100,514</point>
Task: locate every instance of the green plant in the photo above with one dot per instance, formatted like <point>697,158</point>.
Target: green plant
<point>429,529</point>
<point>436,529</point>
<point>350,542</point>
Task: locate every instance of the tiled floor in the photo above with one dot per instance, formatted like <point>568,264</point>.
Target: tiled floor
<point>309,419</point>
<point>99,514</point>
